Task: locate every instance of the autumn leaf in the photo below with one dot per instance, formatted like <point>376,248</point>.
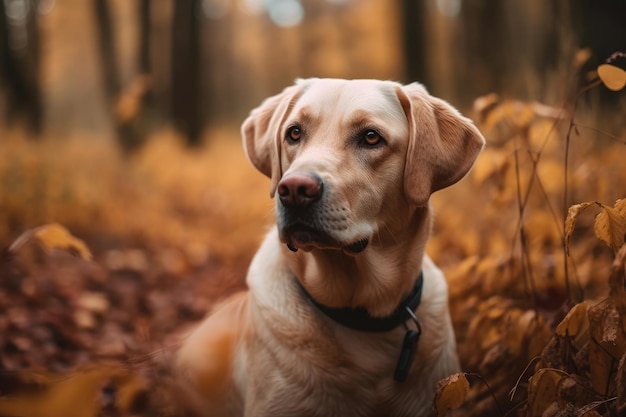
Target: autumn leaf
<point>610,224</point>
<point>53,236</point>
<point>451,393</point>
<point>609,344</point>
<point>90,391</point>
<point>574,321</point>
<point>570,222</point>
<point>614,78</point>
<point>526,331</point>
<point>493,162</point>
<point>483,107</point>
<point>542,390</point>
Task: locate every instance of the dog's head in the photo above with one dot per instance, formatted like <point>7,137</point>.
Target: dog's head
<point>352,159</point>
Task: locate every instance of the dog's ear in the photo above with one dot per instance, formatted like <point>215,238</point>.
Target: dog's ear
<point>443,144</point>
<point>262,137</point>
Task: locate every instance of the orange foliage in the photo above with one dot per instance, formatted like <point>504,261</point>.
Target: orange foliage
<point>183,221</point>
<point>501,237</point>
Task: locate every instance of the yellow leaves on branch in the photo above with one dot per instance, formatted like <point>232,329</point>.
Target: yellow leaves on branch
<point>570,222</point>
<point>543,388</point>
<point>584,366</point>
<point>53,236</point>
<point>451,393</point>
<point>609,226</point>
<point>575,321</point>
<point>591,337</point>
<point>614,78</point>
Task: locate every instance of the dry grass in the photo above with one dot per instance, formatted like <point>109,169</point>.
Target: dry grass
<point>207,202</point>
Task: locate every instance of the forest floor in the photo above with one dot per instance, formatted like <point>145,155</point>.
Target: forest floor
<point>159,236</point>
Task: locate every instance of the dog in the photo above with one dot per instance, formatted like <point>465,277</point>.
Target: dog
<point>345,315</point>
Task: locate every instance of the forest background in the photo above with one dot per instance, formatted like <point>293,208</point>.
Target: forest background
<point>127,208</point>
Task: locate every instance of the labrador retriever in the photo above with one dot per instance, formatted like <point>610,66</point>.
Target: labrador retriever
<point>345,314</point>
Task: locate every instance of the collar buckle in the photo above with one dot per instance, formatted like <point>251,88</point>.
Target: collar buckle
<point>413,317</point>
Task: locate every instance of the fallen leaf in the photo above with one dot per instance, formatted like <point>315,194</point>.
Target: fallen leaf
<point>94,301</point>
<point>451,393</point>
<point>84,319</point>
<point>76,394</point>
<point>53,236</point>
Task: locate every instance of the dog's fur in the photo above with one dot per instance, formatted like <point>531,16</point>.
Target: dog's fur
<point>270,351</point>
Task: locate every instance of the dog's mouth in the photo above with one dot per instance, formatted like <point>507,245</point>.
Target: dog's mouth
<point>307,238</point>
<point>356,247</point>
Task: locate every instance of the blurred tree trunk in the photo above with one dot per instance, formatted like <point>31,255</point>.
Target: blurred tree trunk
<point>414,35</point>
<point>126,106</point>
<point>33,101</point>
<point>185,84</point>
<point>485,51</point>
<point>108,56</point>
<point>104,26</point>
<point>135,103</point>
<point>218,66</point>
<point>7,61</point>
<point>144,36</point>
<point>19,71</point>
<point>160,61</point>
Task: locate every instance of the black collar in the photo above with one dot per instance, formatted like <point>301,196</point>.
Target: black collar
<point>360,319</point>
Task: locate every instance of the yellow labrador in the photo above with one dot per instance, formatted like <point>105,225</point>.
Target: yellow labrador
<point>345,314</point>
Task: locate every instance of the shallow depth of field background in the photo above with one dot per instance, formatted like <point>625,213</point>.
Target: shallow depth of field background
<point>119,120</point>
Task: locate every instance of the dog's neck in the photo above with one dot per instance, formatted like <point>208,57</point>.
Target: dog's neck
<point>377,279</point>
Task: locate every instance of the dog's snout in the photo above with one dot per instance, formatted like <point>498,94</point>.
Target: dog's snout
<point>300,190</point>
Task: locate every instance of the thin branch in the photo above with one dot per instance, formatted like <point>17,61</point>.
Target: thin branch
<point>566,205</point>
<point>519,379</point>
<point>602,132</point>
<point>481,379</point>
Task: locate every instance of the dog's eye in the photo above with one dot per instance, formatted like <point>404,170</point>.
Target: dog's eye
<point>372,138</point>
<point>294,133</point>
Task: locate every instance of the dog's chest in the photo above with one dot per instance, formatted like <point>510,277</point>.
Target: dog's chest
<point>356,378</point>
<point>341,392</point>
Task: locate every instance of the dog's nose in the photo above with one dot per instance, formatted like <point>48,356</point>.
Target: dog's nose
<point>300,190</point>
